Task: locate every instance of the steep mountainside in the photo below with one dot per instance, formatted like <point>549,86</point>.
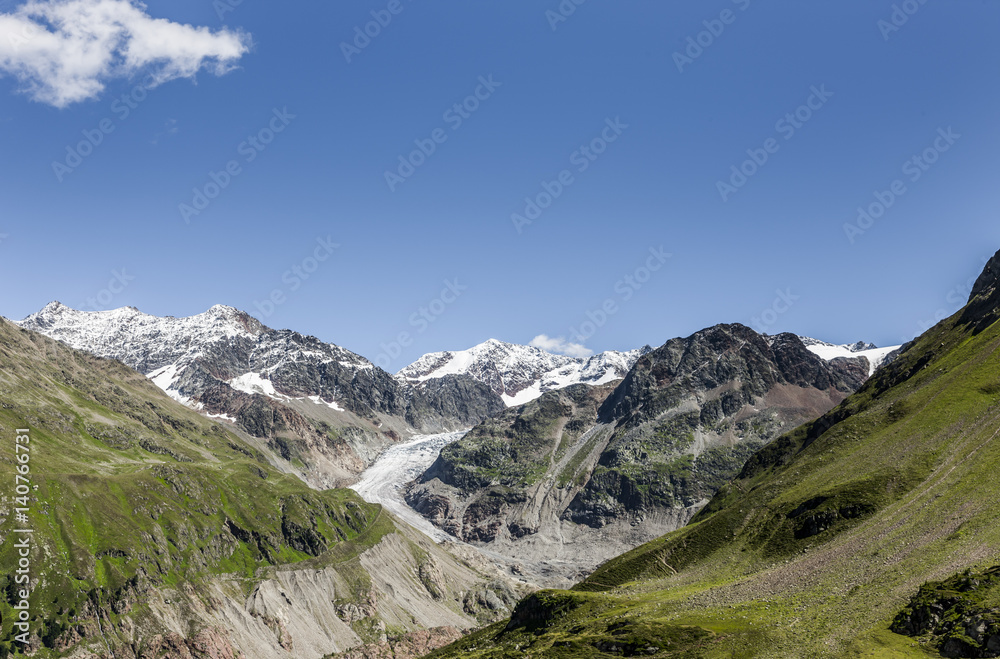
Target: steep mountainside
<point>520,374</point>
<point>586,472</point>
<point>870,532</point>
<point>156,530</point>
<point>322,408</point>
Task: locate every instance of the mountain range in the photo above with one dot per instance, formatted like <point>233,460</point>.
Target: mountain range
<point>868,532</point>
<point>324,411</point>
<point>584,473</point>
<point>153,531</point>
<point>520,374</point>
<point>570,461</point>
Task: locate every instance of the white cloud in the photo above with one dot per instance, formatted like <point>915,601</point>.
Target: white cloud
<point>560,346</point>
<point>65,51</point>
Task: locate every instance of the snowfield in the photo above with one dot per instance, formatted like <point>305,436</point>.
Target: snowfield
<point>828,351</point>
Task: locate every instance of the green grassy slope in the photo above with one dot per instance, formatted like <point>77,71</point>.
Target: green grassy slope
<point>130,491</point>
<point>824,537</point>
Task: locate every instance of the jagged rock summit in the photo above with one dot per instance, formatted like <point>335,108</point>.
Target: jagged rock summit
<point>521,373</point>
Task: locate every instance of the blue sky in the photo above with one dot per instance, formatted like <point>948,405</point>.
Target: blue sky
<point>772,252</point>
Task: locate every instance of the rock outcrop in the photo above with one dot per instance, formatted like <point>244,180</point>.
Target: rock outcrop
<point>954,615</point>
<point>583,473</point>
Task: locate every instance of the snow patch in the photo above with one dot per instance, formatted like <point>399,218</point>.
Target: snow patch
<point>165,378</point>
<point>332,405</point>
<point>253,383</point>
<point>829,351</point>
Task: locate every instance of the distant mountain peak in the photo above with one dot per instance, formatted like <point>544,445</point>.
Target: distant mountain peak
<point>876,356</point>
<point>520,373</point>
<point>228,364</point>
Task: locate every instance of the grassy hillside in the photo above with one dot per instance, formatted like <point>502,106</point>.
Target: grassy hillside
<point>130,492</point>
<point>823,539</point>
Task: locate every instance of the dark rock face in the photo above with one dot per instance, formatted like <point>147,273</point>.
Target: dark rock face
<point>478,487</point>
<point>719,356</point>
<point>690,413</point>
<point>454,399</point>
<point>954,615</point>
<point>984,302</point>
<point>680,425</point>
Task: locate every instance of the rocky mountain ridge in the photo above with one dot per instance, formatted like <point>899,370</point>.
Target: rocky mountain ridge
<point>583,472</point>
<point>315,404</point>
<point>519,373</point>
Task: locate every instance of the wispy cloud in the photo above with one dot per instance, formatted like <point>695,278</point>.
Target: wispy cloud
<point>65,51</point>
<point>560,346</point>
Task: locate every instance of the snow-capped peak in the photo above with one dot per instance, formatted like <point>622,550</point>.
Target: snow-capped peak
<point>183,356</point>
<point>876,356</point>
<point>520,373</point>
